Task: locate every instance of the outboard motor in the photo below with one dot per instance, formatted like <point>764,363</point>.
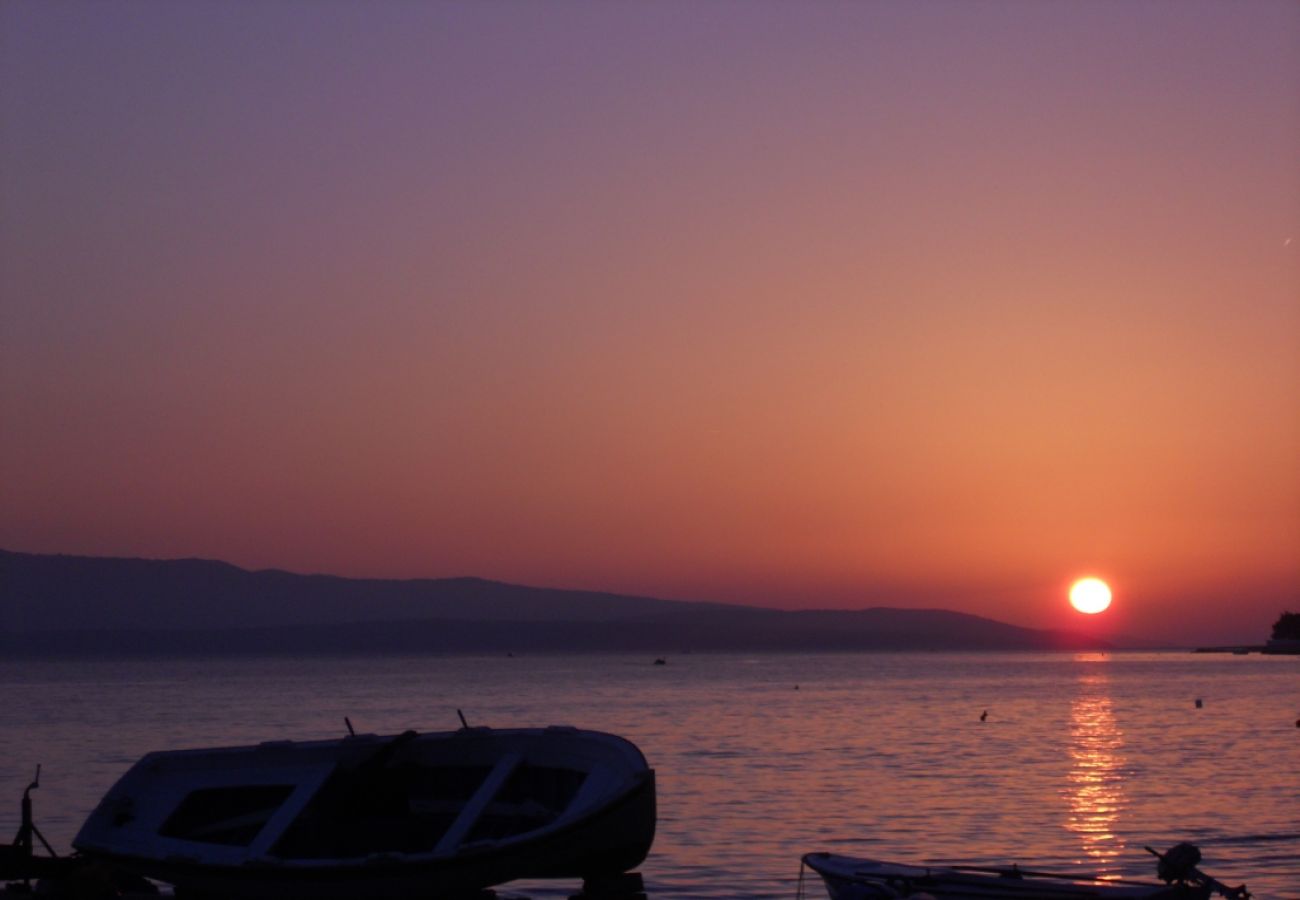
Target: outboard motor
<point>1178,864</point>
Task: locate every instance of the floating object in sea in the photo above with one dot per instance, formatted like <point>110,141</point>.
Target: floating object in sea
<point>661,661</point>
<point>386,818</point>
<point>1199,704</point>
<point>984,715</point>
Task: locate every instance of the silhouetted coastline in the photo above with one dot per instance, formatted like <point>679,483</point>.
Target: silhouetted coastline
<point>1284,642</point>
<point>84,606</point>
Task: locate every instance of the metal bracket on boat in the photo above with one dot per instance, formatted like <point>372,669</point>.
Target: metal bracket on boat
<point>18,857</point>
<point>27,830</point>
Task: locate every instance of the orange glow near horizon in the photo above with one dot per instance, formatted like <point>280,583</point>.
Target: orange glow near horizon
<point>833,305</point>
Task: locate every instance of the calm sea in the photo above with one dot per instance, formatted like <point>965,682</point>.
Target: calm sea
<point>1083,759</point>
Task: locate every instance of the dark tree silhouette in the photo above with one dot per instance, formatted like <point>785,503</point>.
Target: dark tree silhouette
<point>1287,627</point>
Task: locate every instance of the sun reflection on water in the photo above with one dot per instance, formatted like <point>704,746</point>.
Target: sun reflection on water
<point>1095,790</point>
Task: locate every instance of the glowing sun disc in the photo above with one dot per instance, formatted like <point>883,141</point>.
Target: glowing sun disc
<point>1090,595</point>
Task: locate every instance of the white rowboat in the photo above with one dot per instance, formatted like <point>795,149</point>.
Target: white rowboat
<point>380,817</point>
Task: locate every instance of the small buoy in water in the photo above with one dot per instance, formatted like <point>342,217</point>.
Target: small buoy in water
<point>1198,703</point>
<point>984,715</point>
<point>661,661</point>
<point>796,687</point>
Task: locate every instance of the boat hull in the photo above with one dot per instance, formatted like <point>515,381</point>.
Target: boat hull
<point>612,841</point>
<point>849,878</point>
<point>606,827</point>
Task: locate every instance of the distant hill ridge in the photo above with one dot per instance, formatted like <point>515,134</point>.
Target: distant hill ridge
<point>39,592</point>
<point>79,605</point>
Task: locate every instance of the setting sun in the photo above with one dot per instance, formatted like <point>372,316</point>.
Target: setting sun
<point>1090,595</point>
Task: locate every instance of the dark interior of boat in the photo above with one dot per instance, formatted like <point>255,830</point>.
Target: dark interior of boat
<point>409,808</point>
<point>232,816</point>
<point>402,807</point>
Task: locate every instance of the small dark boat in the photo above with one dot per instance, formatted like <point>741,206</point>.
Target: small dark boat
<point>850,878</point>
<point>380,817</point>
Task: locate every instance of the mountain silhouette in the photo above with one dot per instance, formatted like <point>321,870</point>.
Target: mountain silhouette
<point>77,605</point>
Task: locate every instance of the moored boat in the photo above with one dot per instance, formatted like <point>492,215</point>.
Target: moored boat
<point>381,817</point>
<point>852,878</point>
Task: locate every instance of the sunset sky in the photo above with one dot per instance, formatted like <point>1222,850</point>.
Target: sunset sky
<point>792,304</point>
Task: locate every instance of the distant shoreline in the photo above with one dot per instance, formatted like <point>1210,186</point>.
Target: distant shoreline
<point>42,647</point>
<point>1247,649</point>
<point>439,638</point>
<point>54,605</point>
